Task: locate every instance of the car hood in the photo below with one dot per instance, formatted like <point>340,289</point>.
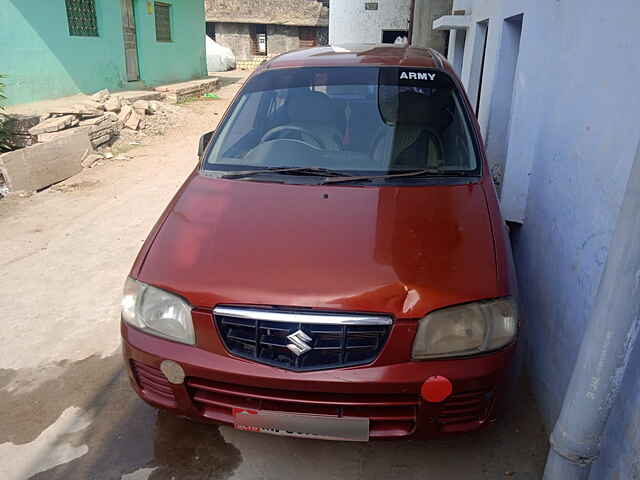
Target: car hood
<point>398,250</point>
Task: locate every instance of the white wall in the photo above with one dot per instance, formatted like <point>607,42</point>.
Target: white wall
<point>571,134</point>
<point>349,22</point>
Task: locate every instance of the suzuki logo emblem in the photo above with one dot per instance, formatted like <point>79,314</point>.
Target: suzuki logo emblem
<point>299,343</point>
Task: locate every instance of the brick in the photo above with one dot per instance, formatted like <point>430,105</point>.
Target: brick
<point>140,106</point>
<point>133,121</point>
<point>125,113</point>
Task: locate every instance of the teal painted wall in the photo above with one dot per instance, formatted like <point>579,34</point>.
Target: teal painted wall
<point>43,61</point>
<point>183,58</point>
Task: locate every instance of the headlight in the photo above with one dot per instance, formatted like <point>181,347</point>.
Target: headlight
<point>157,312</point>
<point>466,329</point>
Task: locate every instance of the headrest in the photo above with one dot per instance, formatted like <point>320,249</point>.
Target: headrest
<point>308,106</point>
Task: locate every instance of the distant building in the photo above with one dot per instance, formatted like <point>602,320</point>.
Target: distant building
<point>255,30</point>
<point>56,48</point>
<point>355,21</point>
<point>384,21</point>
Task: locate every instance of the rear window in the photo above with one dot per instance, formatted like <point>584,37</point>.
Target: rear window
<point>364,120</point>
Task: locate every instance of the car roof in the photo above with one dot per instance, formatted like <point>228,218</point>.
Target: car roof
<point>352,55</point>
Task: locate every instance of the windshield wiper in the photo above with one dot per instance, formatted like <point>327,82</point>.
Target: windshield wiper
<point>314,171</point>
<point>410,173</point>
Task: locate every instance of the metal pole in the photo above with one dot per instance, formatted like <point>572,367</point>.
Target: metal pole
<point>605,350</point>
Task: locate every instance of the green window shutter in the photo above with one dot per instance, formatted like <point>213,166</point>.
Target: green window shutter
<point>81,15</point>
<point>163,22</point>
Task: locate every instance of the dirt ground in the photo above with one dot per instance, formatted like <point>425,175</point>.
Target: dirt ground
<point>66,409</point>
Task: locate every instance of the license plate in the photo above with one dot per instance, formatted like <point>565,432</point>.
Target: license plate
<point>354,429</point>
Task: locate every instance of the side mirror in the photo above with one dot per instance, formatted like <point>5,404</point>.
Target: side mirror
<point>204,142</point>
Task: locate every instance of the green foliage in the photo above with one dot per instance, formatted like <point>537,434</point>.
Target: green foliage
<point>4,134</point>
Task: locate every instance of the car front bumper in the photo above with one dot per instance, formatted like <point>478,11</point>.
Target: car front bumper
<point>217,385</point>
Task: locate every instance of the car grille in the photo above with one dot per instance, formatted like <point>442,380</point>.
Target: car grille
<point>390,415</point>
<point>153,383</point>
<point>343,341</point>
<point>465,407</point>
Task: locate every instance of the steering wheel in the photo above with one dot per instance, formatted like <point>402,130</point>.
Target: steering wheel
<point>273,132</point>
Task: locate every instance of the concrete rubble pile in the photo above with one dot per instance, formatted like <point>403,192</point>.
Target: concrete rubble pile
<point>71,133</point>
<point>103,113</point>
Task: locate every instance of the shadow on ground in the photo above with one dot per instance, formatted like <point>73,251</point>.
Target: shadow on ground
<point>128,439</point>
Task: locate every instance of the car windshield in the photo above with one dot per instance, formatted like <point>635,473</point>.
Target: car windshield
<point>355,120</point>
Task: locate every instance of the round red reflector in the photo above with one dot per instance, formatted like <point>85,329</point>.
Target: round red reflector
<point>436,389</point>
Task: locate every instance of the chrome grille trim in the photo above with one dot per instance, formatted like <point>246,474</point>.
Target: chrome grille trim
<point>303,317</point>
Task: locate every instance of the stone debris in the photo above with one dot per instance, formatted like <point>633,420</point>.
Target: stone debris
<point>102,96</point>
<point>114,104</point>
<point>88,109</point>
<point>55,145</point>
<point>91,159</point>
<point>154,107</point>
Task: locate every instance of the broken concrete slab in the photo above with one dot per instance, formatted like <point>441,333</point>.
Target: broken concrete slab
<point>101,140</point>
<point>101,129</point>
<point>89,108</point>
<point>101,96</point>
<point>131,96</point>
<point>178,92</point>
<point>94,120</point>
<point>47,137</point>
<point>54,124</point>
<point>34,168</point>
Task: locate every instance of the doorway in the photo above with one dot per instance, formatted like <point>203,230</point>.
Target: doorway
<point>389,36</point>
<point>130,43</point>
<point>307,37</point>
<point>211,30</point>
<point>258,35</point>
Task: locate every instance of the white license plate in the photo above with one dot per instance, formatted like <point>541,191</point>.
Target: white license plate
<point>354,429</point>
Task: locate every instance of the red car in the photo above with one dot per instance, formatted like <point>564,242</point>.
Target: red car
<point>336,266</point>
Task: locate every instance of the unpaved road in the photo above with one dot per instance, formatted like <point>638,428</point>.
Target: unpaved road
<point>66,409</point>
